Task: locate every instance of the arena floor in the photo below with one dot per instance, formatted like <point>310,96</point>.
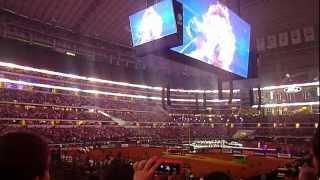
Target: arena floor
<point>200,163</point>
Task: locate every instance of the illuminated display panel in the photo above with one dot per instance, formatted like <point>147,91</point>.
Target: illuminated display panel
<point>215,35</point>
<point>153,23</point>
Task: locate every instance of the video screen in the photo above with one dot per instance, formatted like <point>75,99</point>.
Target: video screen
<point>153,23</point>
<point>215,35</point>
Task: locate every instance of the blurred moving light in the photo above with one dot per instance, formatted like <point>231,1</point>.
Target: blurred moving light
<point>70,53</point>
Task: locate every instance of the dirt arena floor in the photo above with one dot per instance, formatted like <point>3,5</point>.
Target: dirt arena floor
<point>200,163</point>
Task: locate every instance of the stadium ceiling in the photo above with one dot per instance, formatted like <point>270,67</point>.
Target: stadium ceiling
<point>103,19</point>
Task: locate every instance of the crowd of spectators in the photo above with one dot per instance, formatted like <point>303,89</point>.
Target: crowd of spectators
<point>37,104</point>
<point>64,98</point>
<point>63,165</point>
<point>42,78</point>
<point>121,106</point>
<point>42,105</point>
<point>102,133</point>
<point>47,112</point>
<point>246,118</point>
<point>20,111</point>
<point>74,134</point>
<point>132,116</point>
<point>307,94</point>
<point>285,132</point>
<point>52,105</point>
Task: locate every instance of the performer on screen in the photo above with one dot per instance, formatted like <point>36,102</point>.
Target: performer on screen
<point>151,26</point>
<point>213,37</point>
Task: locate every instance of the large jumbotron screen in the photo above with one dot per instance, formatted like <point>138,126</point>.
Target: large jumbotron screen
<point>153,23</point>
<point>215,35</point>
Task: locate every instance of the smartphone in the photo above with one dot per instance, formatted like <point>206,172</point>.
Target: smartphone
<point>169,168</point>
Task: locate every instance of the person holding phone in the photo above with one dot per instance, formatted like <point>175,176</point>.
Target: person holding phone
<point>145,169</point>
<point>157,168</point>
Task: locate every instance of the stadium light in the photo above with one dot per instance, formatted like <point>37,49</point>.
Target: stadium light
<point>95,92</point>
<point>92,79</point>
<point>288,104</point>
<point>203,91</point>
<point>76,89</point>
<point>232,125</point>
<point>271,95</point>
<point>70,53</point>
<point>288,86</point>
<point>43,71</point>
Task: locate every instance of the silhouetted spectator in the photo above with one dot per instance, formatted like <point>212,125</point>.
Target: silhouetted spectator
<point>316,151</point>
<point>23,156</point>
<point>217,176</point>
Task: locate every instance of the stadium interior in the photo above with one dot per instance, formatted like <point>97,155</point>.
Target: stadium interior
<point>70,73</point>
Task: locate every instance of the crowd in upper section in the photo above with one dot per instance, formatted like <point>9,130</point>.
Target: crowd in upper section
<point>66,108</point>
